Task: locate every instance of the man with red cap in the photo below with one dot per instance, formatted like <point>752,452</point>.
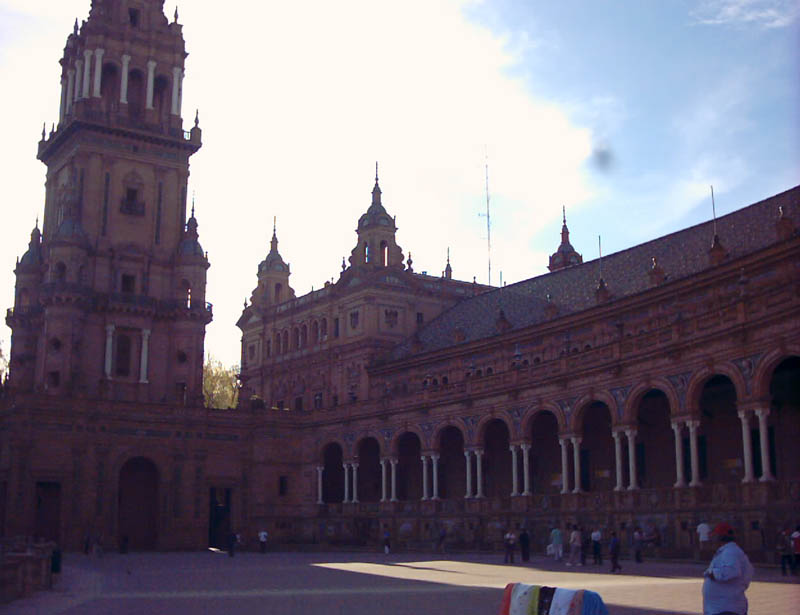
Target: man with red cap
<point>727,577</point>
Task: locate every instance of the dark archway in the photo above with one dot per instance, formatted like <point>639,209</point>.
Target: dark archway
<point>720,436</point>
<point>369,470</point>
<point>497,460</point>
<point>409,467</point>
<point>333,474</point>
<point>597,449</point>
<point>545,460</point>
<point>452,467</point>
<point>138,505</point>
<point>784,421</point>
<point>655,466</point>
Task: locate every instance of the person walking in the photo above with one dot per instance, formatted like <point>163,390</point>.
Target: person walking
<point>574,547</point>
<point>524,545</point>
<point>556,541</point>
<point>262,540</point>
<point>510,542</point>
<point>597,547</point>
<point>387,543</point>
<point>442,538</point>
<point>727,577</point>
<point>613,552</point>
<point>638,540</point>
<point>796,549</point>
<point>783,546</point>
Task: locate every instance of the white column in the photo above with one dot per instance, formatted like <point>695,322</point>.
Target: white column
<point>319,484</point>
<point>86,82</point>
<point>526,469</point>
<point>98,71</point>
<point>576,462</point>
<point>514,478</point>
<point>346,483</point>
<point>151,77</point>
<point>680,479</point>
<point>479,476</point>
<point>693,425</point>
<point>634,482</point>
<point>177,76</point>
<point>145,356</point>
<point>70,89</point>
<point>123,88</point>
<point>424,459</point>
<point>763,438</point>
<point>393,461</point>
<point>747,446</point>
<point>618,459</point>
<point>78,78</point>
<point>62,107</point>
<point>383,480</point>
<point>109,349</point>
<point>467,455</point>
<point>435,459</point>
<point>564,466</point>
<point>355,483</point>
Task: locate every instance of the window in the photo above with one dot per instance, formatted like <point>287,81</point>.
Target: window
<point>269,348</point>
<point>133,17</point>
<point>251,352</point>
<point>420,318</point>
<point>354,320</point>
<point>317,401</point>
<point>61,272</point>
<point>124,351</point>
<point>283,485</point>
<point>298,404</point>
<point>335,327</point>
<point>128,283</point>
<point>182,357</point>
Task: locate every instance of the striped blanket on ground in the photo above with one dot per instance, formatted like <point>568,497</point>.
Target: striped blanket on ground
<point>522,599</point>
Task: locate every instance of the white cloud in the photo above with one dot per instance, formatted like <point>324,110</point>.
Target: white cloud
<point>764,13</point>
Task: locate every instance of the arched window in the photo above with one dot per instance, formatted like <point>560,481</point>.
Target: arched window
<point>60,272</point>
<point>323,329</point>
<point>303,336</point>
<point>161,98</point>
<point>285,343</point>
<point>296,338</point>
<point>278,292</point>
<point>315,332</point>
<point>384,254</point>
<point>109,87</point>
<point>136,94</point>
<point>123,356</point>
<point>366,253</point>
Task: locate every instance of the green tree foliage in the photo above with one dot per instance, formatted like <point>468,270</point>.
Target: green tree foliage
<point>3,364</point>
<point>220,384</point>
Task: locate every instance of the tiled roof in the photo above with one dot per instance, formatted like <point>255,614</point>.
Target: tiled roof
<point>680,255</point>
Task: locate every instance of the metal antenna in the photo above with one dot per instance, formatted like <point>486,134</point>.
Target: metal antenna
<point>488,220</point>
<point>714,210</point>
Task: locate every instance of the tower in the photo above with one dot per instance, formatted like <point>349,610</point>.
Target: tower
<point>565,256</point>
<point>376,230</point>
<point>273,277</point>
<point>110,298</point>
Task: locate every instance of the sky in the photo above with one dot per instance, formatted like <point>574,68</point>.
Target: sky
<point>622,112</point>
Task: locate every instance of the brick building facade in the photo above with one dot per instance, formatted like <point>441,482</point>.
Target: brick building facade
<point>656,388</point>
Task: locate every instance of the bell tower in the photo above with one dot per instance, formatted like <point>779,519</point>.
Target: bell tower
<point>110,298</point>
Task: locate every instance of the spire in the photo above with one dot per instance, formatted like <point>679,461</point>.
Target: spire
<point>448,271</point>
<point>176,14</point>
<point>197,118</point>
<point>565,256</point>
<point>75,27</point>
<point>273,246</point>
<point>376,191</point>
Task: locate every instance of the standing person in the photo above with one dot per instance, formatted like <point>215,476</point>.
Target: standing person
<point>510,542</point>
<point>727,577</point>
<point>613,552</point>
<point>442,537</point>
<point>524,545</point>
<point>387,543</point>
<point>574,547</point>
<point>638,539</point>
<point>704,537</point>
<point>586,544</point>
<point>783,545</point>
<point>231,544</point>
<point>795,549</point>
<point>557,541</point>
<point>597,548</point>
<point>262,540</point>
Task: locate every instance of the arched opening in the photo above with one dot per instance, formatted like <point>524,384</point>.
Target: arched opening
<point>278,349</point>
<point>162,98</point>
<point>409,467</point>
<point>60,272</point>
<point>452,470</point>
<point>545,460</point>
<point>136,95</point>
<point>384,253</point>
<point>296,338</point>
<point>109,88</point>
<point>278,292</point>
<point>655,467</point>
<point>332,474</point>
<point>369,470</point>
<point>720,437</point>
<point>784,420</point>
<point>138,505</point>
<point>285,344</point>
<point>122,363</point>
<point>315,332</point>
<point>323,329</point>
<point>497,460</point>
<point>303,336</point>
<point>366,253</point>
<point>597,449</point>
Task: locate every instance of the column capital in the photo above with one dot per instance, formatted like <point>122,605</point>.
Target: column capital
<point>354,465</point>
<point>435,456</point>
<point>576,440</point>
<point>87,53</point>
<point>762,411</point>
<point>693,423</point>
<point>423,458</point>
<point>676,424</point>
<point>320,468</point>
<point>478,452</point>
<point>631,432</point>
<point>145,333</point>
<point>110,328</point>
<point>744,414</point>
<point>393,460</point>
<point>616,433</point>
<point>125,58</point>
<point>525,446</point>
<point>151,64</point>
<point>513,448</point>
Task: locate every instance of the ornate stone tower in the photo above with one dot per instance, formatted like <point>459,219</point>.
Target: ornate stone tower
<point>565,256</point>
<point>376,230</point>
<point>273,278</point>
<point>110,297</point>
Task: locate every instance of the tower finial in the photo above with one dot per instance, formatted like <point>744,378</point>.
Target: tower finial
<point>448,255</point>
<point>75,27</point>
<point>274,225</point>
<point>192,203</point>
<point>564,214</point>
<point>376,171</point>
<point>44,127</point>
<point>37,222</point>
<point>197,118</point>
<point>176,13</point>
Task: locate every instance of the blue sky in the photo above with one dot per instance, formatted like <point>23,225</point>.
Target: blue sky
<point>624,112</point>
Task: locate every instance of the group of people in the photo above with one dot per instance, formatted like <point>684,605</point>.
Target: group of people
<point>510,544</point>
<point>581,542</point>
<point>787,545</point>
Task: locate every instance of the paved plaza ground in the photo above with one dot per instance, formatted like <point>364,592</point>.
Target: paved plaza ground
<point>206,583</point>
